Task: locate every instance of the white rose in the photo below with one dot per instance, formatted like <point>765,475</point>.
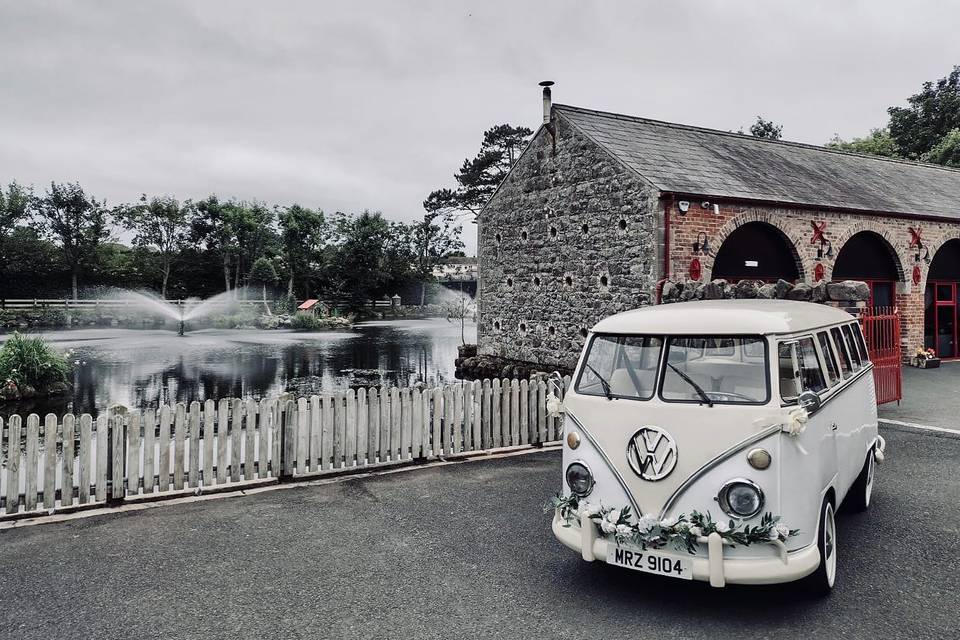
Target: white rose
<point>696,531</point>
<point>783,531</point>
<point>587,509</point>
<point>666,523</point>
<point>624,529</point>
<point>607,527</point>
<point>646,523</point>
<point>773,535</point>
<point>796,422</point>
<point>613,515</point>
<point>722,527</point>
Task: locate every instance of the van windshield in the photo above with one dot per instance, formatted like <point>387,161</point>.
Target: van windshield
<point>716,369</point>
<point>704,369</point>
<point>621,366</point>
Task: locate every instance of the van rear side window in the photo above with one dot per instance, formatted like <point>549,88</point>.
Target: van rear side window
<point>829,357</point>
<point>845,367</point>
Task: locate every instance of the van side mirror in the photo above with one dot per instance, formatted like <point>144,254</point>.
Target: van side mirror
<point>810,401</point>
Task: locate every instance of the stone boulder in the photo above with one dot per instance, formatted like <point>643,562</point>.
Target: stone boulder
<point>818,293</point>
<point>714,290</point>
<point>782,288</point>
<point>802,292</point>
<point>848,290</point>
<point>745,289</point>
<point>767,292</point>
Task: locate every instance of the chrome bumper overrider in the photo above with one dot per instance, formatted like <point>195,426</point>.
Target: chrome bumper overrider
<point>715,569</point>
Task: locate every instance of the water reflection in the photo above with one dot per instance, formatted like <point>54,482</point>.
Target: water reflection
<point>138,368</point>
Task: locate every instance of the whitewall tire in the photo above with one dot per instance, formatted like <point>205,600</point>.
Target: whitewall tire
<point>861,491</point>
<point>821,581</point>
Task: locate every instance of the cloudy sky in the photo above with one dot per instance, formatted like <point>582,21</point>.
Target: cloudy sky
<point>371,105</point>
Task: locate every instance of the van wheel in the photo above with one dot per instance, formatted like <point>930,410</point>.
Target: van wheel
<point>821,581</point>
<point>859,497</point>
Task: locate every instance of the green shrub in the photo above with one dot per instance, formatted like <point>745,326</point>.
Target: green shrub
<point>31,361</point>
<point>306,322</point>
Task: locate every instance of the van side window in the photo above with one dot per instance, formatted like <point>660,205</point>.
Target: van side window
<point>845,368</point>
<point>811,375</point>
<point>851,347</point>
<point>861,344</point>
<point>829,357</point>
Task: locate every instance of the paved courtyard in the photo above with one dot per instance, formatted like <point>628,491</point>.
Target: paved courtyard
<point>460,551</point>
<point>930,397</point>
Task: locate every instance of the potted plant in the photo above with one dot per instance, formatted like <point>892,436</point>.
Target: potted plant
<point>926,359</point>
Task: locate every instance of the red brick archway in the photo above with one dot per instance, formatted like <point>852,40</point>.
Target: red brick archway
<point>941,303</point>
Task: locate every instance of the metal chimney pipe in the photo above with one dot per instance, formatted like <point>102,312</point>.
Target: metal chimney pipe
<point>547,100</point>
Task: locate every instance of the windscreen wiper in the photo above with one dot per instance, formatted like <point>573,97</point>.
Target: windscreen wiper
<point>700,392</point>
<point>603,382</point>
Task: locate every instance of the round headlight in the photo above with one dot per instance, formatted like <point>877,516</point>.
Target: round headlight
<point>741,498</point>
<point>579,479</point>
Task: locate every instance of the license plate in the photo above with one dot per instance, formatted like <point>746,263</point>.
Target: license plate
<point>650,562</point>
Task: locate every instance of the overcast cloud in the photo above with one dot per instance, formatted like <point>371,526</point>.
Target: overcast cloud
<point>371,105</point>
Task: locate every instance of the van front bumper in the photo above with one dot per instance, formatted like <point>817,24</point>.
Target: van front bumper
<point>715,569</point>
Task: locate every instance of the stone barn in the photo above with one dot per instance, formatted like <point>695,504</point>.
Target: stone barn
<point>606,212</point>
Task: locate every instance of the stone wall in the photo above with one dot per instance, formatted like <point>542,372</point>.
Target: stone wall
<point>570,238</point>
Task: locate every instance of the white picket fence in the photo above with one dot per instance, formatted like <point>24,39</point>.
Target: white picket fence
<point>73,461</point>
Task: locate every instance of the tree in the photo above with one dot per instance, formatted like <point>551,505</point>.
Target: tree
<point>433,242</point>
<point>304,234</point>
<point>372,255</point>
<point>254,235</point>
<point>212,225</point>
<point>877,143</point>
<point>459,309</point>
<point>160,222</point>
<point>946,151</point>
<point>263,274</point>
<point>479,177</point>
<point>77,222</point>
<point>765,129</point>
<point>14,207</point>
<point>931,115</point>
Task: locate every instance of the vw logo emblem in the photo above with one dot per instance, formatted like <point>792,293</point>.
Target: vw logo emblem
<point>652,453</point>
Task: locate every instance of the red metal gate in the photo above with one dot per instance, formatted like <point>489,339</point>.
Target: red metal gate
<point>881,329</point>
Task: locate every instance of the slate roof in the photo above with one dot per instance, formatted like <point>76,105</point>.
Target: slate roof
<point>694,161</point>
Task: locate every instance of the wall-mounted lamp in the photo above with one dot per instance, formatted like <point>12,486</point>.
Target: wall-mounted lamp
<point>684,206</point>
<point>702,244</point>
<point>825,250</point>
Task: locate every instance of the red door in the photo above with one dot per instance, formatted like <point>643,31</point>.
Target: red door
<point>941,309</point>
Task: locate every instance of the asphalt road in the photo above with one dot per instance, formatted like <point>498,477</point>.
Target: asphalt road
<point>461,551</point>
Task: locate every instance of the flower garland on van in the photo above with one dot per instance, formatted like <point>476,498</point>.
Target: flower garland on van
<point>682,532</point>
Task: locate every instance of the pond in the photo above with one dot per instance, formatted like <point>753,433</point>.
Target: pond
<point>139,368</point>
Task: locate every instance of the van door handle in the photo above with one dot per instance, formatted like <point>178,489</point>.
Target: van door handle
<point>834,426</point>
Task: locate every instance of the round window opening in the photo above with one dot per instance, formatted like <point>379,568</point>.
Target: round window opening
<point>499,238</point>
<point>604,281</point>
<point>569,281</point>
<point>523,327</point>
<point>623,225</point>
<point>536,280</point>
<point>509,282</point>
<point>553,232</point>
<point>585,228</point>
<point>552,331</point>
<point>523,236</point>
<point>496,325</point>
